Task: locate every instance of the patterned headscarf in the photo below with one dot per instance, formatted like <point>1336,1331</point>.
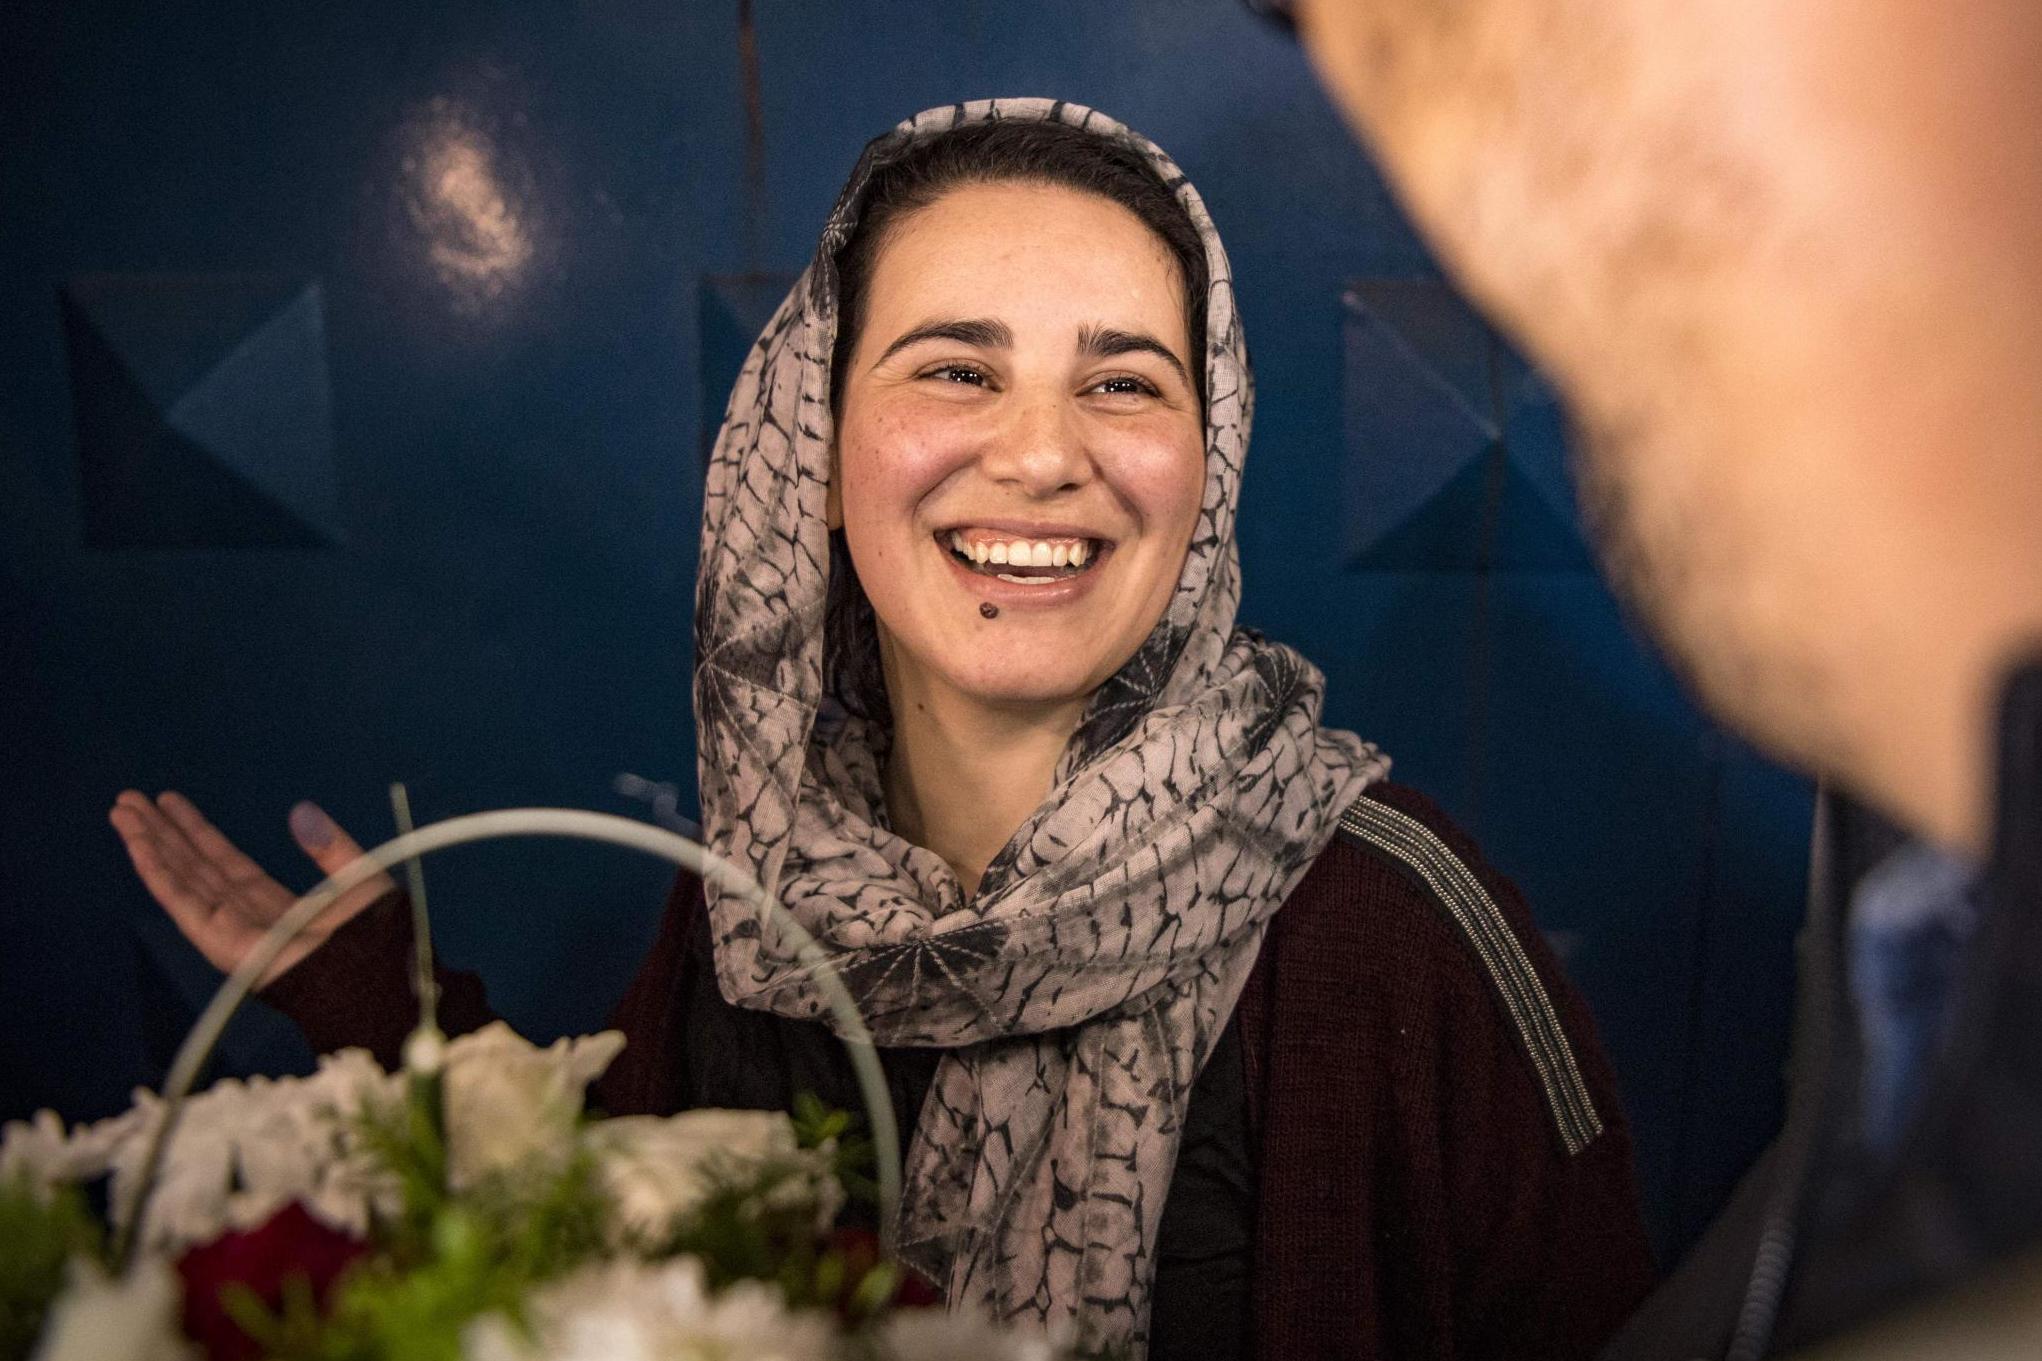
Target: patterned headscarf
<point>1081,989</point>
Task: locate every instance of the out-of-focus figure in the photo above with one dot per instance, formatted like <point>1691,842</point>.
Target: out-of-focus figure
<point>1785,261</point>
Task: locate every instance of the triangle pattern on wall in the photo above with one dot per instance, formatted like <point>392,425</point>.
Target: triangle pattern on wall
<point>203,411</point>
<point>1455,450</point>
<point>1487,516</point>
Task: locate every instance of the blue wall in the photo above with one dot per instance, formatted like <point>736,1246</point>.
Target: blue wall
<point>357,361</point>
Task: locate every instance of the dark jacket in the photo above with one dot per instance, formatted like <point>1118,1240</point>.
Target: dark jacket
<point>1822,1236</point>
<point>1408,1144</point>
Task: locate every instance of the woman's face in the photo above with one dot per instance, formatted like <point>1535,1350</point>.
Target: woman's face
<point>1020,453</point>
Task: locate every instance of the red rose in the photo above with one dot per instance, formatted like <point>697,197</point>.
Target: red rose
<point>291,1243</point>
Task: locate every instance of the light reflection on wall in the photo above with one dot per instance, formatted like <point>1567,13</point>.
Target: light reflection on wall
<point>473,217</point>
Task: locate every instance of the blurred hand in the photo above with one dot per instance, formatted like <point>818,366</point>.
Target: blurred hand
<point>219,898</point>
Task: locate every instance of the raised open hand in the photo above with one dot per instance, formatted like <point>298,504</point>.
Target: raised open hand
<point>219,898</point>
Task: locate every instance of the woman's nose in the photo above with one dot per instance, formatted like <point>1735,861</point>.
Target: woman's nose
<point>1041,449</point>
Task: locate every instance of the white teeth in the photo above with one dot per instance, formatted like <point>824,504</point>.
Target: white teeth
<point>1021,553</point>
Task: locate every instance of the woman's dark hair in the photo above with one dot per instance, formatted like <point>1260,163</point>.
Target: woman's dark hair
<point>1002,150</point>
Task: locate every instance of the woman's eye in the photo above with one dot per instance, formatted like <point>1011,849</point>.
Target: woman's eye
<point>1125,385</point>
<point>958,373</point>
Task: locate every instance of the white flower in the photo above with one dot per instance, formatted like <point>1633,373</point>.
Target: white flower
<point>509,1103</point>
<point>932,1335</point>
<point>39,1151</point>
<point>301,1144</point>
<point>243,1150</point>
<point>240,1152</point>
<point>47,1155</point>
<point>658,1168</point>
<point>189,1202</point>
<point>630,1311</point>
<point>134,1317</point>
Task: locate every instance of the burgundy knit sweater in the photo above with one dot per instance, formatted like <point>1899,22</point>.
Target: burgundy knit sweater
<point>1442,1167</point>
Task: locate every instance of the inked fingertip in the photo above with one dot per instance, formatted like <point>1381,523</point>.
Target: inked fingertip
<point>310,825</point>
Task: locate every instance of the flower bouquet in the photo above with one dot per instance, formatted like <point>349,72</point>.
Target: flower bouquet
<point>465,1208</point>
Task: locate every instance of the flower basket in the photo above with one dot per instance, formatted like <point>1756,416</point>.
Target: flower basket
<point>466,1207</point>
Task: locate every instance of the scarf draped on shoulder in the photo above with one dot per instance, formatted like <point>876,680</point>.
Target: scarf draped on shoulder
<point>1079,991</point>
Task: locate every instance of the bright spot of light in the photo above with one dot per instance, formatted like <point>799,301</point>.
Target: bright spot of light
<point>477,236</point>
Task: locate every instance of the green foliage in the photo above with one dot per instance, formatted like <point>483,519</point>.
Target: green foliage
<point>855,1161</point>
<point>409,1140</point>
<point>39,1233</point>
<point>760,1226</point>
<point>758,1222</point>
<point>816,1124</point>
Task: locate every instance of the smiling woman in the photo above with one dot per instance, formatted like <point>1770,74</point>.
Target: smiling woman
<point>1017,428</point>
<point>1212,1042</point>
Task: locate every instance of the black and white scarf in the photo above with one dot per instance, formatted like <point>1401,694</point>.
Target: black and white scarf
<point>1080,990</point>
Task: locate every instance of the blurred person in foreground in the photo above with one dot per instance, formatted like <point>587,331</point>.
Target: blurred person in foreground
<point>1786,262</point>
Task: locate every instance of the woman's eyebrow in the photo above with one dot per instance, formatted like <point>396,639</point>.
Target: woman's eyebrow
<point>1103,342</point>
<point>982,332</point>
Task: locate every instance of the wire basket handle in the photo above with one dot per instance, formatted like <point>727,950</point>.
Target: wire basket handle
<point>571,823</point>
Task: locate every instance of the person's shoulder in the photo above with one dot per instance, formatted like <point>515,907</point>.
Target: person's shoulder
<point>1406,889</point>
<point>1399,829</point>
<point>1396,855</point>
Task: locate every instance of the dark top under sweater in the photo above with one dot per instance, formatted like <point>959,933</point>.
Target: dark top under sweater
<point>1388,1154</point>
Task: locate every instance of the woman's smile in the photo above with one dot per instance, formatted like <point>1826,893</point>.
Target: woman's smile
<point>1028,558</point>
<point>1024,566</point>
